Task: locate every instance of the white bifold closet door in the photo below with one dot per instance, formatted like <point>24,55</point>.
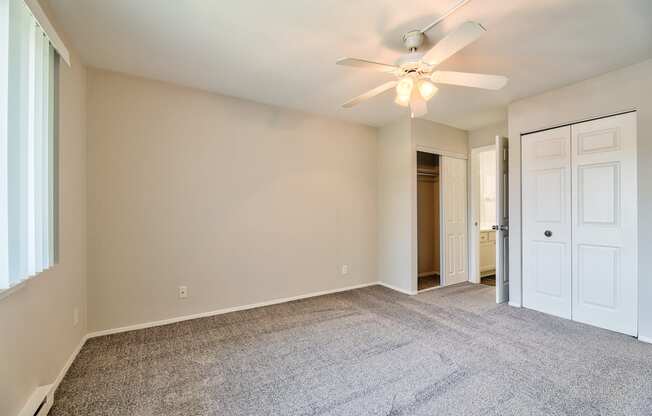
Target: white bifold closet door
<point>547,221</point>
<point>454,195</point>
<point>579,222</point>
<point>604,223</point>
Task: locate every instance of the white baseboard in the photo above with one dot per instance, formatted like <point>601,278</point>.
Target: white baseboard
<point>645,339</point>
<point>49,390</point>
<point>225,310</point>
<point>398,289</point>
<point>66,366</point>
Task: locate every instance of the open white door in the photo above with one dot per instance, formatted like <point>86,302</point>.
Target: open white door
<point>502,222</point>
<point>454,195</point>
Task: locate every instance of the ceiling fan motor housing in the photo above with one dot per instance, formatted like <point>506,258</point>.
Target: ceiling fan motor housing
<point>413,40</point>
<point>412,64</point>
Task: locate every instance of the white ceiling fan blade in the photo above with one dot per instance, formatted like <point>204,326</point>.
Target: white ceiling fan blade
<point>461,37</point>
<point>370,94</point>
<point>467,79</point>
<point>364,64</point>
<point>418,106</point>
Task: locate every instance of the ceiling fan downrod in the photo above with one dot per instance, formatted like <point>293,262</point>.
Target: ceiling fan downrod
<point>413,40</point>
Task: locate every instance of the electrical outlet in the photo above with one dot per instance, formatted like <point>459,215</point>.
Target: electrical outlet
<point>345,269</point>
<point>183,292</point>
<point>75,316</point>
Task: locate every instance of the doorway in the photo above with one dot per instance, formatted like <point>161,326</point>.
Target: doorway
<point>428,221</point>
<point>442,226</point>
<point>483,193</point>
<point>489,218</point>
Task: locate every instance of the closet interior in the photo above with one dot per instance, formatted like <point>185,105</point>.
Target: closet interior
<point>428,221</point>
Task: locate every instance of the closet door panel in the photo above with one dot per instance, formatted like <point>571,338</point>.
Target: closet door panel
<point>453,183</point>
<point>604,223</point>
<point>547,221</point>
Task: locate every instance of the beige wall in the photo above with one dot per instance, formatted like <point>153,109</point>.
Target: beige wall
<point>625,89</point>
<point>36,322</point>
<point>239,201</point>
<point>428,134</point>
<point>397,190</point>
<point>486,136</point>
<point>394,205</point>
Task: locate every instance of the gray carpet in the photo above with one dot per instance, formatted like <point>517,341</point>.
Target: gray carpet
<point>372,351</point>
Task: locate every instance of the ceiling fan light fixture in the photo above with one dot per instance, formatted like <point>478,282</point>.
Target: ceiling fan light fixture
<point>416,79</point>
<point>402,100</point>
<point>427,89</point>
<point>404,88</point>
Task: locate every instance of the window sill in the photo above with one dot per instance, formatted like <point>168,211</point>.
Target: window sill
<point>10,291</point>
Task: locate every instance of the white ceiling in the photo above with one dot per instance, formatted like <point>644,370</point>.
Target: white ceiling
<point>283,52</point>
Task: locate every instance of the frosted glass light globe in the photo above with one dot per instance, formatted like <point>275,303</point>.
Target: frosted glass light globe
<point>427,89</point>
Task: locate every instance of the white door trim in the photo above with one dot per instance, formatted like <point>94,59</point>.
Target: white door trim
<point>578,121</point>
<point>415,250</point>
<point>440,152</point>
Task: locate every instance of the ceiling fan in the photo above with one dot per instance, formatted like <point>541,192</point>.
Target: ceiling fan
<point>415,73</point>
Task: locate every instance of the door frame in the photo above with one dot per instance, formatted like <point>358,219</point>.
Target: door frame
<point>474,213</point>
<point>415,225</point>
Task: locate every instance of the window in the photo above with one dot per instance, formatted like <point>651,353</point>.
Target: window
<point>28,161</point>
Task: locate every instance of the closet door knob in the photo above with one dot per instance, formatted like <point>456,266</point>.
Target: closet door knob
<point>548,233</point>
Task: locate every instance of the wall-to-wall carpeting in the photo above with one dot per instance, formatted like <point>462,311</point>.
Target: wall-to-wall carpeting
<point>370,351</point>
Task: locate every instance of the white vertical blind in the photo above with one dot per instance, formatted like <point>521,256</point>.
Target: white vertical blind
<point>4,156</point>
<point>27,146</point>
